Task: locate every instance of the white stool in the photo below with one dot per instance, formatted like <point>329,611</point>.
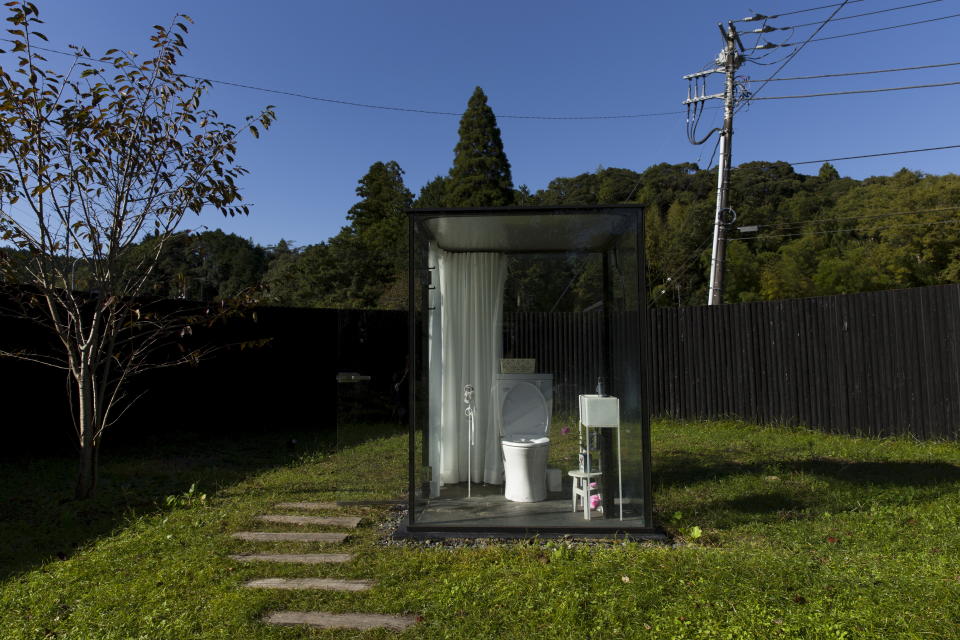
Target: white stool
<point>581,489</point>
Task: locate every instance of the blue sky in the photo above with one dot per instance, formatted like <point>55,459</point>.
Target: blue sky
<point>532,57</point>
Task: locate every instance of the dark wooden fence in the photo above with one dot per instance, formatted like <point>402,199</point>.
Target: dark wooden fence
<point>564,344</point>
<point>870,363</point>
<point>290,382</point>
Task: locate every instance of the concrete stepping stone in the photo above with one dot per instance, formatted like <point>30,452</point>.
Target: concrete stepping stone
<point>323,584</point>
<point>267,536</point>
<point>346,522</point>
<point>294,558</point>
<point>310,506</point>
<point>324,620</point>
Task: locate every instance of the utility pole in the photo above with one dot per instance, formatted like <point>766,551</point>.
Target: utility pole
<point>728,61</point>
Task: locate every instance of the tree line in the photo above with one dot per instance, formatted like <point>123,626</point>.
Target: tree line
<point>816,234</point>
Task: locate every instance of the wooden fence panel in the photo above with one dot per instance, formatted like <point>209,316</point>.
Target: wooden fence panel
<point>876,363</point>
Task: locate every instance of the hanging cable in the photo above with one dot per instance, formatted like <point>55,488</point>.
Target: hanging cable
<point>875,155</point>
<point>697,88</point>
<point>860,73</point>
<point>858,15</point>
<point>759,16</point>
<point>860,33</point>
<point>713,154</point>
<point>756,60</point>
<point>847,93</point>
<point>348,103</point>
<point>800,48</point>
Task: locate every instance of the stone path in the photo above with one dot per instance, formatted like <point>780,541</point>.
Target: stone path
<point>294,558</point>
<point>345,522</point>
<point>316,619</point>
<point>276,536</point>
<point>322,584</point>
<point>311,506</point>
<point>323,620</point>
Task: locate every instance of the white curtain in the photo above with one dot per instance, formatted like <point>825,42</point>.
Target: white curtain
<point>471,330</point>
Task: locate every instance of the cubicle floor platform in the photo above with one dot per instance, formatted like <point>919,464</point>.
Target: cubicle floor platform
<point>487,507</point>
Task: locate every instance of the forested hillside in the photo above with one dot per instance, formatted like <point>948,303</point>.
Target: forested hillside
<point>814,235</point>
<point>817,235</point>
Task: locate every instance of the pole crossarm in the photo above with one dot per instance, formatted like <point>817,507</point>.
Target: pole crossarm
<point>702,74</point>
<point>714,96</point>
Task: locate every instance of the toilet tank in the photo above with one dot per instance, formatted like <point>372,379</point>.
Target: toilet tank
<point>543,381</point>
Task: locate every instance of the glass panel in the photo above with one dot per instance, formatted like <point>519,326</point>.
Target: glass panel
<point>423,309</point>
<point>517,314</point>
<point>623,274</point>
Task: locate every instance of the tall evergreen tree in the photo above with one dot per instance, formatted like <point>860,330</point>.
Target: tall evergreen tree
<point>433,195</point>
<point>378,227</point>
<point>480,176</point>
<point>384,196</point>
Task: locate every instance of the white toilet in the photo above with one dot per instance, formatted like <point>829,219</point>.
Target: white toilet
<point>526,403</point>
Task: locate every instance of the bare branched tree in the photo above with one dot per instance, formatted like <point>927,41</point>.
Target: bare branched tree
<point>93,159</point>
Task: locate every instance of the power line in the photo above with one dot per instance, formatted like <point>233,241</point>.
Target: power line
<point>794,53</point>
<point>760,16</point>
<point>860,33</point>
<point>425,111</point>
<point>875,155</point>
<point>847,93</point>
<point>857,15</point>
<point>859,73</point>
<point>713,154</point>
<point>756,59</point>
<point>349,103</point>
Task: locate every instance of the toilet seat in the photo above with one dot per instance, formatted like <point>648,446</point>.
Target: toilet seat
<point>525,416</point>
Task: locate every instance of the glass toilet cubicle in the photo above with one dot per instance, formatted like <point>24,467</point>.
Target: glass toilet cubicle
<point>514,314</point>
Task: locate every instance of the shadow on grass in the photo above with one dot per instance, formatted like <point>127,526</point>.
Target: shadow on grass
<point>680,470</point>
<point>761,503</point>
<point>851,484</point>
<point>40,521</point>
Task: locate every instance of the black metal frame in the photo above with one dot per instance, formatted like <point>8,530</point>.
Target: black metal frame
<point>410,528</point>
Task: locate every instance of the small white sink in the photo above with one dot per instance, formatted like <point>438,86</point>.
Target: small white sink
<point>599,411</point>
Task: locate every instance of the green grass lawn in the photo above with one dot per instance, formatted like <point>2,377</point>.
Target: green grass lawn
<point>780,533</point>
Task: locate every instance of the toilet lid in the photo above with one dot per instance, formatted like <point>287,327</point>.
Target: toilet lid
<point>525,412</point>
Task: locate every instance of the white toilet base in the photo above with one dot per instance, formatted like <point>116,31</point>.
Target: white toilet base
<point>525,472</point>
